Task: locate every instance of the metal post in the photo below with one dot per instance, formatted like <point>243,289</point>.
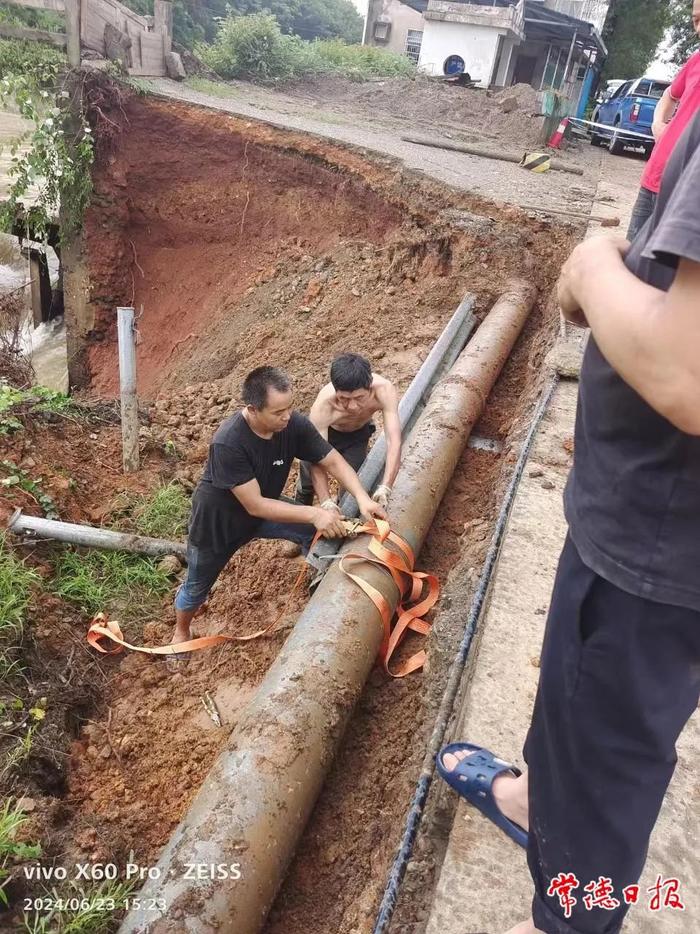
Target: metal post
<point>546,66</point>
<point>570,56</point>
<point>91,537</point>
<point>127,382</point>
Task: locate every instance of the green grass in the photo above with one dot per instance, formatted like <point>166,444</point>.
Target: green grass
<point>212,88</point>
<point>164,514</point>
<point>103,581</point>
<point>16,584</point>
<point>95,917</point>
<point>18,753</point>
<point>11,819</point>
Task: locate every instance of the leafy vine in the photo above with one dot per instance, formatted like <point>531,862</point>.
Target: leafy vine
<point>51,162</point>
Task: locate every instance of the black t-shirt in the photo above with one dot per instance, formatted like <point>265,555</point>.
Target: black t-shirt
<point>236,456</point>
<point>633,497</point>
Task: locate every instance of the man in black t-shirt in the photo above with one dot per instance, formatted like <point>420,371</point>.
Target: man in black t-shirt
<point>620,664</point>
<point>237,498</point>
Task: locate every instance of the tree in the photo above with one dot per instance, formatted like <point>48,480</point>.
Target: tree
<point>309,19</point>
<point>197,20</point>
<point>684,39</point>
<point>633,32</point>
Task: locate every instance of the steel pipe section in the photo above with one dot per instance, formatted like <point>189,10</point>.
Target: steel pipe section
<point>221,870</point>
<point>91,537</point>
<point>442,355</point>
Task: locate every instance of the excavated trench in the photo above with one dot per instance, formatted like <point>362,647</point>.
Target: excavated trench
<point>242,244</point>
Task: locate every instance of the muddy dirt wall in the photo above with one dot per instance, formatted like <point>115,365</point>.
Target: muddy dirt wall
<point>232,237</point>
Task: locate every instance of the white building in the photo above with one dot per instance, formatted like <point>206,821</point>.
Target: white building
<point>473,38</point>
<point>498,43</point>
<point>591,11</point>
<point>395,26</point>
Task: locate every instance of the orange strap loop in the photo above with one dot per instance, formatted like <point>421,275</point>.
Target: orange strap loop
<point>418,594</point>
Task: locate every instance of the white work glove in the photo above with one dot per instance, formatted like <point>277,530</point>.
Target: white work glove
<point>381,495</point>
<point>330,504</point>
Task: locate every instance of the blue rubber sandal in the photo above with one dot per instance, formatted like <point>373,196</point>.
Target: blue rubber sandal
<point>473,779</point>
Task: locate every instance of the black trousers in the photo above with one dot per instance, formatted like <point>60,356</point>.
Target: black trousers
<point>351,444</point>
<point>619,679</point>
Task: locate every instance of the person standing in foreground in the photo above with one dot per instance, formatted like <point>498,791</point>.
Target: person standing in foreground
<point>620,666</point>
<point>237,498</point>
<point>675,110</point>
<point>343,413</point>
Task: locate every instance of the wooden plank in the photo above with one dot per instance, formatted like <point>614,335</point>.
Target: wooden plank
<point>40,286</point>
<point>152,64</point>
<point>55,6</point>
<point>114,11</point>
<point>94,36</point>
<point>37,35</point>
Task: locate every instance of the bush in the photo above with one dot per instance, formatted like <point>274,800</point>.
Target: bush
<point>254,48</point>
<point>197,20</point>
<point>27,58</point>
<point>360,62</point>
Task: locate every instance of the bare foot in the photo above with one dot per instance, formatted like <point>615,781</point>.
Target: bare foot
<point>181,634</point>
<point>179,660</point>
<point>509,792</point>
<point>526,927</point>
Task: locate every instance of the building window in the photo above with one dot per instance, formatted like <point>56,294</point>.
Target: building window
<point>414,40</point>
<point>382,28</point>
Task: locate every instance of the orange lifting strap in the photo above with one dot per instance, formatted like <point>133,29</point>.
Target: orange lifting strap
<point>418,594</point>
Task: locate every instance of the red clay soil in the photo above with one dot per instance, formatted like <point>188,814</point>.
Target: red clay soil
<point>268,246</point>
<point>242,238</point>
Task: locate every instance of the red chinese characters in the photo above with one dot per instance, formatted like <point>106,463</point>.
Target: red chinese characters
<point>600,895</point>
<point>562,886</point>
<point>631,894</point>
<point>669,888</point>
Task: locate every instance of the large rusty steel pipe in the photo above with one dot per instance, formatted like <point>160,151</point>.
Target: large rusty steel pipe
<point>222,868</point>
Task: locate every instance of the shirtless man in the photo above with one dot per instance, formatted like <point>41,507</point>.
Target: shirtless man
<point>342,413</point>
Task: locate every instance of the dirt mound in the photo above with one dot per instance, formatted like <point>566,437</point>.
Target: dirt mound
<point>523,95</point>
<point>430,101</point>
<point>237,261</point>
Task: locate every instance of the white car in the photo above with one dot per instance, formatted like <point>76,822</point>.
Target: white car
<point>604,94</point>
